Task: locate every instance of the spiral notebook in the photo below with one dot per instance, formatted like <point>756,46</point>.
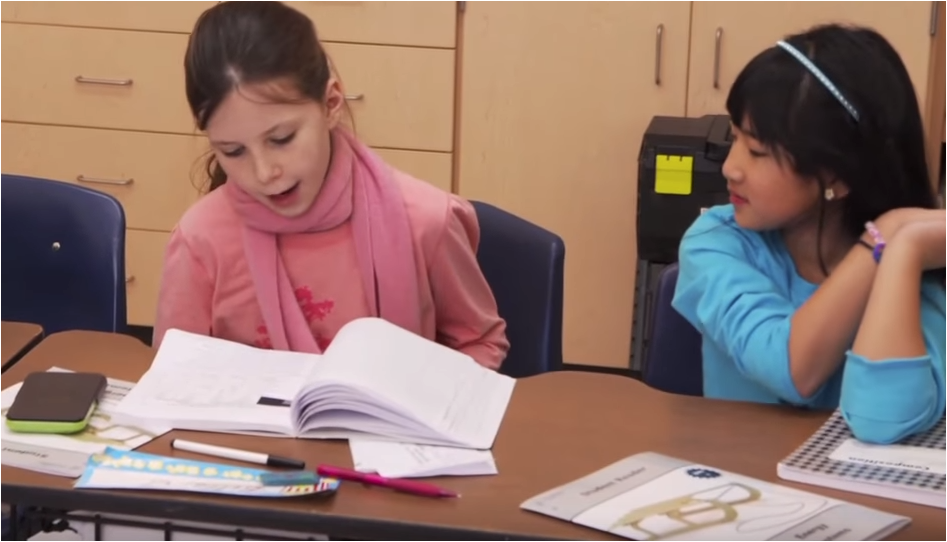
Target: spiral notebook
<point>912,470</point>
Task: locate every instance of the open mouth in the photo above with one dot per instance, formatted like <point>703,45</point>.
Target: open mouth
<point>285,197</point>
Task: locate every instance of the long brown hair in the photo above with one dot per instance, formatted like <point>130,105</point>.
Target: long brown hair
<point>235,43</point>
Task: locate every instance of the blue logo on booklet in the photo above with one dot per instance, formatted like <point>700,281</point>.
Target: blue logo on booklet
<point>702,473</point>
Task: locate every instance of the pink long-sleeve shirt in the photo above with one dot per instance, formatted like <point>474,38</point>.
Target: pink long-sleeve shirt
<point>206,285</point>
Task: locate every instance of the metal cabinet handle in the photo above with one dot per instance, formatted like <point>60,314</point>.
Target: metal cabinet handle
<point>97,180</point>
<point>658,41</point>
<point>101,81</point>
<point>354,97</point>
<point>718,36</point>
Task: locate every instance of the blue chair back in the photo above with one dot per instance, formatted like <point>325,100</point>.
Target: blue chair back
<point>65,247</point>
<point>523,263</point>
<point>673,362</point>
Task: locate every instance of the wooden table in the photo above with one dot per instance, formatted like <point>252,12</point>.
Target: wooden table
<point>18,339</point>
<point>559,427</point>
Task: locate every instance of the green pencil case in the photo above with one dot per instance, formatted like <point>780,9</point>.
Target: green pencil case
<point>56,402</point>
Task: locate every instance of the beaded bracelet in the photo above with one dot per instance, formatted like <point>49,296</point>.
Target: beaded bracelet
<point>878,239</point>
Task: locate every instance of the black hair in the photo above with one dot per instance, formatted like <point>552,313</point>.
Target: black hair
<point>879,156</point>
<point>250,42</point>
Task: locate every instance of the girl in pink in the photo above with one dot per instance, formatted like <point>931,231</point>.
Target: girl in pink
<point>304,228</point>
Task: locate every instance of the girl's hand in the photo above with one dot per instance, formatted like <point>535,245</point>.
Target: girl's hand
<point>925,236</point>
<point>892,221</point>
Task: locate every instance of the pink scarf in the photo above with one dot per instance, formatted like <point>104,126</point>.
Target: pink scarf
<point>357,187</point>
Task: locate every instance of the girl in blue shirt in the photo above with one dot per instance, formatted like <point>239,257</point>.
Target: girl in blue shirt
<point>822,283</point>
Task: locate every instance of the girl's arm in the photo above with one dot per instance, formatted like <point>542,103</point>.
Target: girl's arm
<point>894,374</point>
<point>186,291</point>
<point>465,309</point>
<point>738,307</point>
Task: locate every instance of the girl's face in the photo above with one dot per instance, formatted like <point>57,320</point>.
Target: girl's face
<point>276,152</point>
<point>766,194</point>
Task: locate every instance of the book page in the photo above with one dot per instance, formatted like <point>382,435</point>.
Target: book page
<point>445,390</point>
<point>398,460</point>
<point>203,383</point>
<point>654,497</point>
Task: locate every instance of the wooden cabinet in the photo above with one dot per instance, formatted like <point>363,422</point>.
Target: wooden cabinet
<point>176,17</point>
<point>417,24</point>
<point>726,35</point>
<point>155,177</point>
<point>400,97</point>
<point>99,100</point>
<point>97,78</point>
<point>556,96</point>
<point>554,100</point>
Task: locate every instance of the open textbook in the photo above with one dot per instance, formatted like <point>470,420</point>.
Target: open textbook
<point>67,455</point>
<point>650,496</point>
<point>376,379</point>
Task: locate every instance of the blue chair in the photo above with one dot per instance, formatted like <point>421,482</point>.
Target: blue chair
<point>673,362</point>
<point>65,247</point>
<point>523,264</point>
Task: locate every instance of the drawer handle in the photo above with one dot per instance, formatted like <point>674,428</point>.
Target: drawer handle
<point>718,36</point>
<point>354,97</point>
<point>129,279</point>
<point>657,54</point>
<point>99,81</point>
<point>96,180</point>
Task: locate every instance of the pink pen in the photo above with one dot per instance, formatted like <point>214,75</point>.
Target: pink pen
<point>405,486</point>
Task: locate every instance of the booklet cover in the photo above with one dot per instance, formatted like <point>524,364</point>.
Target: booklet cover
<point>120,469</point>
<point>654,497</point>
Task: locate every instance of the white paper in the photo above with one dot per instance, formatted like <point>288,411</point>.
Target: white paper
<point>203,383</point>
<point>66,455</point>
<point>895,456</point>
<point>441,388</point>
<point>398,460</point>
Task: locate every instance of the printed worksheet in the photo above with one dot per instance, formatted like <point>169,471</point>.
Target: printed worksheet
<point>66,455</point>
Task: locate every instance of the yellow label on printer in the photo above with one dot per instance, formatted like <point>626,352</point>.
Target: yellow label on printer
<point>674,175</point>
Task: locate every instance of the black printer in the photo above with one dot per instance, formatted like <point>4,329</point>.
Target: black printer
<point>679,175</point>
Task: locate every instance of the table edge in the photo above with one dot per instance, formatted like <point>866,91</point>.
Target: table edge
<point>310,522</point>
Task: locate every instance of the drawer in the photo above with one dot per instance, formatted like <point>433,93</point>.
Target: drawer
<point>434,167</point>
<point>144,260</point>
<point>400,97</point>
<point>424,24</point>
<point>157,16</point>
<point>156,177</point>
<point>42,87</point>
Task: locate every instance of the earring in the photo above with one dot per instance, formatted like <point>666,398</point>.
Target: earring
<point>829,194</point>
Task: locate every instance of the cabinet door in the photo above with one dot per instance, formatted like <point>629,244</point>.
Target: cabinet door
<point>738,31</point>
<point>555,98</point>
<point>418,24</point>
<point>178,17</point>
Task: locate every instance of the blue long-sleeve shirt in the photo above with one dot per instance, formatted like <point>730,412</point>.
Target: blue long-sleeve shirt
<point>740,289</point>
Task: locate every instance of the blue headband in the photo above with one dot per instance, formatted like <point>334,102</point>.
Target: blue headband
<point>821,77</point>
